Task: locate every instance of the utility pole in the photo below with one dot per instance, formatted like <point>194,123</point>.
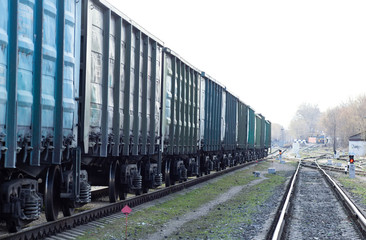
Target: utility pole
<point>334,137</point>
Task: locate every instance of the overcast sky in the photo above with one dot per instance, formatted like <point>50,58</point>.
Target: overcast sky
<point>274,55</point>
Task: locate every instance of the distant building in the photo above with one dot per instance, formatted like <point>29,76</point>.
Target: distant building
<point>312,140</point>
<point>320,139</point>
<point>357,144</point>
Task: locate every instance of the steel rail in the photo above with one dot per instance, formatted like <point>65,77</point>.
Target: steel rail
<point>359,217</point>
<point>339,169</point>
<point>95,194</point>
<point>52,228</point>
<point>348,203</point>
<point>281,221</point>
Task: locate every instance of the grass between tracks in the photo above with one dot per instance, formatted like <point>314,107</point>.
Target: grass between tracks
<point>149,220</point>
<point>356,186</point>
<point>230,219</point>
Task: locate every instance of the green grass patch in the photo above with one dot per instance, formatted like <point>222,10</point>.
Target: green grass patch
<point>149,220</point>
<point>355,186</point>
<point>229,219</point>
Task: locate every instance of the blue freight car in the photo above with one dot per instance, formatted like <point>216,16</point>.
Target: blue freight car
<point>211,107</point>
<point>39,72</point>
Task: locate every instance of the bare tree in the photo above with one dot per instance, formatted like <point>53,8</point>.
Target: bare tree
<point>345,120</point>
<point>305,121</point>
<point>276,132</point>
<point>298,128</point>
<point>330,121</point>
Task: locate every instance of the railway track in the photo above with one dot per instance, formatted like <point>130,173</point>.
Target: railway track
<point>315,207</point>
<point>52,228</point>
<point>340,169</point>
<point>312,161</point>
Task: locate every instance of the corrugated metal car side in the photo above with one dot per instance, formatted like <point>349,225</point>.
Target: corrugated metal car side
<point>39,71</point>
<point>242,125</point>
<point>212,124</point>
<point>121,111</point>
<point>223,117</point>
<point>258,131</point>
<point>251,128</point>
<point>268,134</point>
<point>181,105</point>
<point>230,125</point>
<point>202,114</point>
<point>263,131</point>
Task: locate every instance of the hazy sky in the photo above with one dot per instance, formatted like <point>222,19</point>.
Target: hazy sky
<point>274,55</point>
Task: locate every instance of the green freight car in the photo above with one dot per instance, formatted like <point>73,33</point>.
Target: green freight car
<point>267,141</point>
<point>211,137</point>
<point>228,129</point>
<point>242,130</point>
<point>120,97</point>
<point>259,136</point>
<point>251,134</point>
<point>180,123</point>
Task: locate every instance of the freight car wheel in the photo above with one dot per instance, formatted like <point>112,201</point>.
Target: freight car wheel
<point>13,225</point>
<point>67,210</point>
<point>114,182</point>
<point>145,187</point>
<point>123,194</point>
<point>172,180</point>
<point>52,193</point>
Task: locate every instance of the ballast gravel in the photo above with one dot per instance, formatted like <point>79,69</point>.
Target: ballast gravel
<point>316,213</point>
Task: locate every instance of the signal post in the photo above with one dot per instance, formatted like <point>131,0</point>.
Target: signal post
<point>352,168</point>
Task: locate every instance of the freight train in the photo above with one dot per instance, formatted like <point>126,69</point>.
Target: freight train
<point>89,97</point>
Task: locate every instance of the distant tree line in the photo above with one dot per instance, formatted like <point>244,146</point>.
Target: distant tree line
<point>345,120</point>
<point>338,123</point>
<point>305,123</point>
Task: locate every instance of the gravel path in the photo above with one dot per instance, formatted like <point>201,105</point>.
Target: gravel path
<point>179,221</point>
<point>316,212</point>
<point>261,215</point>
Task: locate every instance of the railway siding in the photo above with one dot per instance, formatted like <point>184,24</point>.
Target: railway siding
<point>241,216</point>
